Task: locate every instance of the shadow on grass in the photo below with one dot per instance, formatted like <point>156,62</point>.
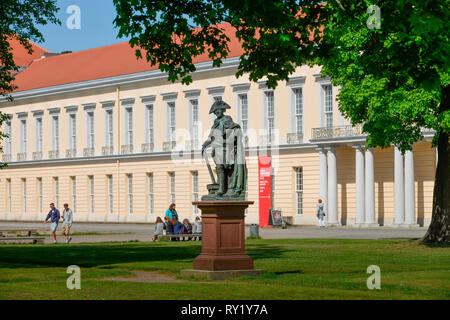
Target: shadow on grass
<point>88,255</point>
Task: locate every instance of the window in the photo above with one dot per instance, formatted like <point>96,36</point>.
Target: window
<point>91,194</point>
<point>39,184</point>
<point>243,105</point>
<point>38,136</point>
<point>130,193</point>
<point>328,104</point>
<point>150,194</point>
<point>172,187</point>
<point>56,189</point>
<point>195,124</point>
<point>74,194</point>
<point>90,131</point>
<point>73,132</point>
<point>55,134</point>
<point>195,190</point>
<point>299,190</point>
<point>109,129</point>
<point>110,194</point>
<point>24,194</point>
<point>270,112</point>
<point>272,187</point>
<point>172,121</point>
<point>23,136</point>
<point>150,125</point>
<point>298,96</point>
<point>8,185</point>
<point>129,126</point>
<point>8,138</point>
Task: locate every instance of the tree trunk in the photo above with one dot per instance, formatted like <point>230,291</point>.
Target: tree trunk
<point>438,231</point>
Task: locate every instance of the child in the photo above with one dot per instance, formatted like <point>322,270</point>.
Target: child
<point>320,213</point>
<point>159,227</point>
<point>187,226</point>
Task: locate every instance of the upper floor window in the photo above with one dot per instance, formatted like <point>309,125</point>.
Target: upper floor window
<point>109,129</point>
<point>38,136</point>
<point>73,131</point>
<point>195,123</point>
<point>171,121</point>
<point>129,126</point>
<point>8,139</point>
<point>327,100</point>
<point>90,130</point>
<point>55,133</point>
<point>150,136</point>
<point>23,136</point>
<point>270,113</point>
<point>298,99</point>
<point>243,108</point>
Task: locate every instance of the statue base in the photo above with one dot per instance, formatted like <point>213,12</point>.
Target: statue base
<point>223,236</point>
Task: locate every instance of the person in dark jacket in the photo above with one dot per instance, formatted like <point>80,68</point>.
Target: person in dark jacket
<point>54,217</point>
<point>176,226</point>
<point>187,226</point>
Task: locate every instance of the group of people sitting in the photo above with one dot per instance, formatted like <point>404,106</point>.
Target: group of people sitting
<point>172,225</point>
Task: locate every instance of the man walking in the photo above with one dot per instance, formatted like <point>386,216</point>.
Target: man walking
<point>67,222</point>
<point>54,217</point>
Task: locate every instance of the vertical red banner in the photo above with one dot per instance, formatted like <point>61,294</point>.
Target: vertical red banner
<point>265,190</point>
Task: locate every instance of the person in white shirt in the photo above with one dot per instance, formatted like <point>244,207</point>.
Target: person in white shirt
<point>67,222</point>
<point>320,213</point>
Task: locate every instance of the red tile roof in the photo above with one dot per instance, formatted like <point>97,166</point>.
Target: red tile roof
<point>97,63</point>
<point>21,56</point>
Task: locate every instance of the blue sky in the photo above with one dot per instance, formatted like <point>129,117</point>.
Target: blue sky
<point>96,27</point>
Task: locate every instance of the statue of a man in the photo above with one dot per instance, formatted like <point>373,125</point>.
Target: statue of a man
<point>228,153</point>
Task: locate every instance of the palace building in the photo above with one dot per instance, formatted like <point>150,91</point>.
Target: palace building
<point>109,135</point>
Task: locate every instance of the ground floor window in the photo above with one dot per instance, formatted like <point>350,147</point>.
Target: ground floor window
<point>299,190</point>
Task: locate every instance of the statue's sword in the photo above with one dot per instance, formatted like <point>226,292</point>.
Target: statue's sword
<point>209,167</point>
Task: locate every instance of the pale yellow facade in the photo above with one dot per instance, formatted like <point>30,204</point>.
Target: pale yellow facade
<point>82,178</point>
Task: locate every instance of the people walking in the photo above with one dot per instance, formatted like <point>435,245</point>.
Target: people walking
<point>67,222</point>
<point>54,217</point>
<point>320,214</point>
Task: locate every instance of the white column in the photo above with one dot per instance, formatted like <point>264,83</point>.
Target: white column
<point>332,188</point>
<point>399,198</point>
<point>410,206</point>
<point>370,190</point>
<point>323,178</point>
<point>359,185</point>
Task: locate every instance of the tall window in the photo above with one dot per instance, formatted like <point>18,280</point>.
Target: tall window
<point>73,132</point>
<point>194,122</point>
<point>90,130</point>
<point>74,194</point>
<point>91,194</point>
<point>110,195</point>
<point>172,121</point>
<point>243,105</point>
<point>172,187</point>
<point>151,200</point>
<point>39,185</point>
<point>24,194</point>
<point>150,125</point>
<point>55,133</point>
<point>328,104</point>
<point>38,136</point>
<point>9,137</point>
<point>129,124</point>
<point>56,187</point>
<point>195,190</point>
<point>298,95</point>
<point>109,129</point>
<point>130,193</point>
<point>272,187</point>
<point>23,136</point>
<point>8,185</point>
<point>270,108</point>
<point>299,190</point>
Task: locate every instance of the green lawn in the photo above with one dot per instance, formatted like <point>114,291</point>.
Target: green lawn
<point>295,269</point>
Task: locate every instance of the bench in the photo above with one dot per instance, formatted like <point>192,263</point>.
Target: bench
<point>30,232</point>
<point>183,237</point>
<point>34,240</point>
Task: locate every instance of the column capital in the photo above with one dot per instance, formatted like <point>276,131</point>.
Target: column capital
<point>358,146</point>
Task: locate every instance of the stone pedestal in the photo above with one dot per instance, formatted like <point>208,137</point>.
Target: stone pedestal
<point>223,241</point>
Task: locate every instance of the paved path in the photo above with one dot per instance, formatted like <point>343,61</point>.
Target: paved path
<point>144,232</point>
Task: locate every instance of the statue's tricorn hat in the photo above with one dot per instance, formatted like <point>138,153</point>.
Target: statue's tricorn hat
<point>219,104</point>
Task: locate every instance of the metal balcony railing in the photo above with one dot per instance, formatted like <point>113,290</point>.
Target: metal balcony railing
<point>169,145</point>
<point>147,147</point>
<point>107,151</point>
<point>22,156</point>
<point>53,154</point>
<point>336,131</point>
<point>6,157</point>
<point>126,149</point>
<point>294,138</point>
<point>71,153</point>
<point>37,155</point>
<point>88,152</point>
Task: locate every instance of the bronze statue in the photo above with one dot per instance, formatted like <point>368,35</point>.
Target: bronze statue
<point>228,153</point>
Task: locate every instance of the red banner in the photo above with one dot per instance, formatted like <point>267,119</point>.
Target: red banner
<point>265,190</point>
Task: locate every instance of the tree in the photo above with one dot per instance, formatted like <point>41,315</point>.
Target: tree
<point>19,19</point>
<point>393,70</point>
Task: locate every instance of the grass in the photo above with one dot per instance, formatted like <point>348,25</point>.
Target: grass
<point>295,269</point>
